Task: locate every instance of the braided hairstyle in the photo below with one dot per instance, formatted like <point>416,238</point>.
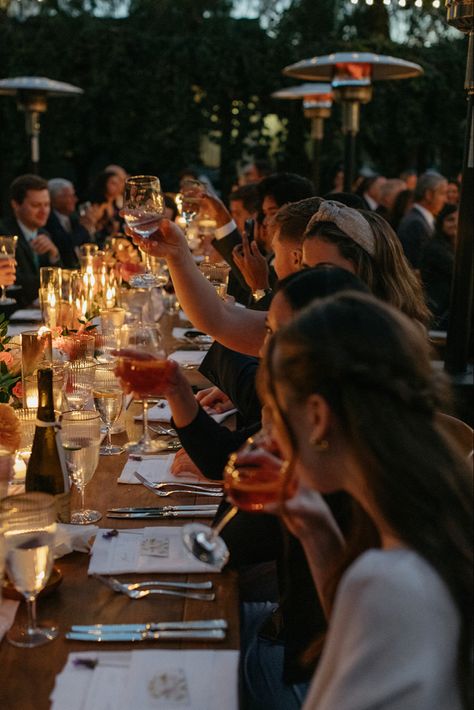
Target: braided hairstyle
<point>372,366</point>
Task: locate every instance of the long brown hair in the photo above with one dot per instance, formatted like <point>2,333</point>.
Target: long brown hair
<point>372,366</point>
<point>387,273</point>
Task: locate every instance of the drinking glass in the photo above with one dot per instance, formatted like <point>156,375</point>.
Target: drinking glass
<point>249,487</point>
<point>143,209</point>
<point>80,437</point>
<point>142,361</point>
<point>108,401</point>
<point>188,201</point>
<point>79,383</point>
<point>75,346</point>
<point>30,521</point>
<point>27,418</point>
<point>217,274</point>
<point>7,253</point>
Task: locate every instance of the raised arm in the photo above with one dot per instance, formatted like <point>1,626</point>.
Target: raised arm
<point>236,328</point>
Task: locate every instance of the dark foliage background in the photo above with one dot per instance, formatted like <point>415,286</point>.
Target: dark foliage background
<point>175,70</point>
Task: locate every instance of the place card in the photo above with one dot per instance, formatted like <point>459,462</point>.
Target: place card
<point>124,553</point>
<point>156,470</point>
<point>148,679</point>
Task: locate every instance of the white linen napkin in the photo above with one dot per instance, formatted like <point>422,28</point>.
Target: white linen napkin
<point>70,538</point>
<point>156,470</point>
<point>161,412</point>
<point>149,679</point>
<point>129,552</point>
<point>8,609</point>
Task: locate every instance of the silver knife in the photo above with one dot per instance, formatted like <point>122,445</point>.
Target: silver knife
<point>164,508</point>
<point>168,514</point>
<point>176,635</point>
<point>99,629</point>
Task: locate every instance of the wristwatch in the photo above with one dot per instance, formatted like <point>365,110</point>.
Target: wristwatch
<point>259,293</point>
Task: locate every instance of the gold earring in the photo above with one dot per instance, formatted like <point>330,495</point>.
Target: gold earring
<point>319,444</point>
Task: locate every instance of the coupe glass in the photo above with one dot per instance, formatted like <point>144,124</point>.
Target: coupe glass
<point>7,253</point>
<point>79,383</point>
<point>141,361</point>
<point>108,401</point>
<point>249,487</point>
<point>30,521</point>
<point>143,210</point>
<point>80,437</point>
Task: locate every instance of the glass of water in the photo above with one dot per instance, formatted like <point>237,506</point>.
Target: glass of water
<point>80,437</point>
<point>30,528</point>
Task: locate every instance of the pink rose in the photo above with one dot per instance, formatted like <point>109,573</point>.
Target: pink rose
<point>17,390</point>
<point>6,357</point>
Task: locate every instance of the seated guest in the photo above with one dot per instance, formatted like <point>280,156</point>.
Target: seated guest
<point>401,205</point>
<point>436,266</point>
<point>417,226</point>
<point>453,194</point>
<point>30,204</point>
<point>409,177</point>
<point>388,194</point>
<point>352,396</point>
<point>106,197</point>
<point>369,190</point>
<point>7,278</point>
<point>63,224</point>
<point>244,204</point>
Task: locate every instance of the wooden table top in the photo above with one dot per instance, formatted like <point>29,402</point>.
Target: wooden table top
<point>28,675</point>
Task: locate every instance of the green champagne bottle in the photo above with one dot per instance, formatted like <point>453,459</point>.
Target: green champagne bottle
<point>46,470</point>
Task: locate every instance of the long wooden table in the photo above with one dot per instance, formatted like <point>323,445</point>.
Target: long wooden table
<point>28,675</point>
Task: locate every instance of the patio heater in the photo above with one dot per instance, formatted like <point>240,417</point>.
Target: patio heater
<point>351,75</point>
<point>32,94</point>
<point>460,14</point>
<point>317,104</point>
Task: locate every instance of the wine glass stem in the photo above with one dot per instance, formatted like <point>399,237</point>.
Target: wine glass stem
<point>231,513</point>
<point>109,437</point>
<point>146,431</point>
<point>82,498</point>
<point>31,611</point>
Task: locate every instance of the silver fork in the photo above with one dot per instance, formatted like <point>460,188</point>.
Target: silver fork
<point>141,593</point>
<point>162,430</point>
<point>157,583</point>
<point>189,488</point>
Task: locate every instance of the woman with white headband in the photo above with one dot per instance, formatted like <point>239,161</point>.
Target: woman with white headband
<point>364,243</point>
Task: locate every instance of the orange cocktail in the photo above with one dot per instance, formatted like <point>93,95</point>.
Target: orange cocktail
<point>143,373</point>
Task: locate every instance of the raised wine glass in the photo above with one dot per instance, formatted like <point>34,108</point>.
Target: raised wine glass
<point>141,361</point>
<point>188,201</point>
<point>80,437</point>
<point>30,521</point>
<point>7,253</point>
<point>249,487</point>
<point>108,400</point>
<point>143,209</point>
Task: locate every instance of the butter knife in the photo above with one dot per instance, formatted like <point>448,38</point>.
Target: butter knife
<point>164,508</point>
<point>176,635</point>
<point>100,629</point>
<point>161,515</point>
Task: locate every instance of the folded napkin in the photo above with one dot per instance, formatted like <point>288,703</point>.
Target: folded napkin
<point>156,469</point>
<point>188,358</point>
<point>148,679</point>
<point>159,549</point>
<point>161,412</point>
<point>8,609</point>
<point>70,538</point>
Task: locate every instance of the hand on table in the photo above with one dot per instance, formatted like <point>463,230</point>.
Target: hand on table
<point>214,399</point>
<point>252,264</point>
<point>183,466</point>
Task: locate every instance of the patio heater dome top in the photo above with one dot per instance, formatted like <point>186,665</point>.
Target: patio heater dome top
<point>356,66</point>
<point>37,84</point>
<point>303,90</point>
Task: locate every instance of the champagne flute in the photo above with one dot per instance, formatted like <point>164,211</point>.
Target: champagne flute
<point>143,210</point>
<point>142,361</point>
<point>108,401</point>
<point>80,437</point>
<point>7,253</point>
<point>249,487</point>
<point>30,521</point>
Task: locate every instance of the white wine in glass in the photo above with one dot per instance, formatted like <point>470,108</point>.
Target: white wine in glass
<point>30,521</point>
<point>143,210</point>
<point>80,438</point>
<point>108,401</point>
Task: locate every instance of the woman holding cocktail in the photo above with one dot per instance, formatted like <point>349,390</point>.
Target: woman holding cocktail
<point>352,395</point>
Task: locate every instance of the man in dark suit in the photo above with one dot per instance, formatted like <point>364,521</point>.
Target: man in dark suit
<point>30,203</point>
<point>417,226</point>
<point>63,224</point>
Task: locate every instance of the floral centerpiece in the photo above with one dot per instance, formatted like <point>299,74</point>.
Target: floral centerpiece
<point>10,364</point>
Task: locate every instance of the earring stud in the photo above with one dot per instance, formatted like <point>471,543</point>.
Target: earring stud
<point>319,444</point>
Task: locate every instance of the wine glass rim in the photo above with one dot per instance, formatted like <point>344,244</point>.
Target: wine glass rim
<point>32,498</point>
<point>142,178</point>
<point>83,415</point>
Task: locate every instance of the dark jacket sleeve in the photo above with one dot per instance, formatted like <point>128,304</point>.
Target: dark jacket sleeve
<point>209,444</point>
<point>235,375</point>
